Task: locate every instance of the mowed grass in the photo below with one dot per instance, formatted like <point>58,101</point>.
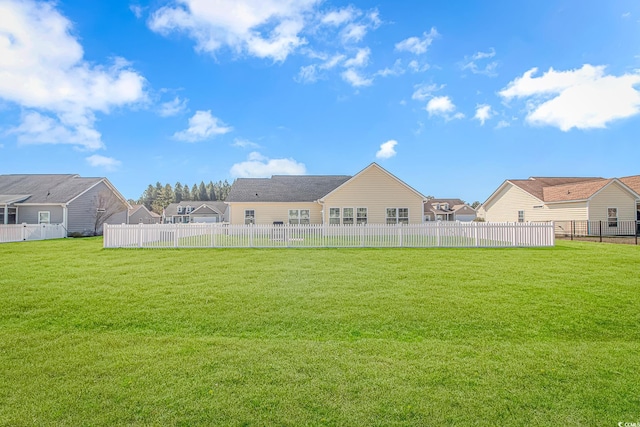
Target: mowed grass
<point>344,337</point>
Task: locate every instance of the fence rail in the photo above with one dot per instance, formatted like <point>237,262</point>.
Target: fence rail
<point>20,232</point>
<point>440,234</point>
<point>598,229</point>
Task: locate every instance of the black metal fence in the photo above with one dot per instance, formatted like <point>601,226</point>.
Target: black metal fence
<point>610,231</point>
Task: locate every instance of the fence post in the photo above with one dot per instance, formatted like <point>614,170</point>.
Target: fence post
<point>573,228</point>
<point>400,234</point>
<point>23,235</point>
<point>600,229</point>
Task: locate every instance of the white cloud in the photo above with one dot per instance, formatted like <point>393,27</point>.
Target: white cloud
<point>387,149</point>
<point>172,108</point>
<point>42,70</point>
<point>489,69</point>
<point>444,107</point>
<point>354,78</point>
<point>416,67</point>
<point>244,143</point>
<point>626,14</point>
<point>340,16</point>
<point>417,45</point>
<point>583,98</point>
<point>259,166</point>
<point>109,163</point>
<point>307,74</point>
<point>202,126</point>
<point>396,70</point>
<point>36,128</point>
<point>503,124</point>
<point>483,113</point>
<point>422,92</point>
<point>136,9</point>
<point>360,60</point>
<point>261,28</point>
<point>354,33</point>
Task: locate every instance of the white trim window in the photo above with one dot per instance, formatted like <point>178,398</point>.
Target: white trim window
<point>612,217</point>
<point>520,216</point>
<point>347,216</point>
<point>299,216</point>
<point>44,217</point>
<point>361,217</point>
<point>179,209</point>
<point>334,216</point>
<point>397,215</point>
<point>189,209</point>
<point>249,216</point>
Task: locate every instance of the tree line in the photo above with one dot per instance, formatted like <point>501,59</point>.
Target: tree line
<point>157,197</point>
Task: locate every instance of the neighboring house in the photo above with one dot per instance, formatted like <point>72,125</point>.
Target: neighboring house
<point>372,196</point>
<point>560,199</point>
<point>195,211</point>
<point>139,214</point>
<point>81,205</point>
<point>448,210</point>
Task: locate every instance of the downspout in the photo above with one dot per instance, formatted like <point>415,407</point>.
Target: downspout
<point>65,217</point>
<point>6,213</point>
<point>321,203</point>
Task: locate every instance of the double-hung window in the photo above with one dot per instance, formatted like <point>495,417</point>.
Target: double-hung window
<point>347,216</point>
<point>361,216</point>
<point>334,216</point>
<point>397,215</point>
<point>612,217</point>
<point>299,216</point>
<point>249,216</point>
<point>520,216</point>
<point>44,217</point>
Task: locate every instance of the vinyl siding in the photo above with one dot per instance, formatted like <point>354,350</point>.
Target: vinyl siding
<point>268,213</point>
<point>507,203</point>
<point>146,218</point>
<point>29,214</point>
<point>82,211</point>
<point>612,196</point>
<point>375,190</point>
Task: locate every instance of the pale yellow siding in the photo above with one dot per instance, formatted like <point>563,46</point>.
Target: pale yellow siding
<point>612,196</point>
<point>268,213</point>
<point>375,190</point>
<point>511,199</point>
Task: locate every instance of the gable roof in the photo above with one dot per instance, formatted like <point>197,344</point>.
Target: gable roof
<point>285,188</point>
<point>633,182</point>
<point>136,208</point>
<point>568,189</point>
<point>172,208</point>
<point>53,188</point>
<point>380,168</point>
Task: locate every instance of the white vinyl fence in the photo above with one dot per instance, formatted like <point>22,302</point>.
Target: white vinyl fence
<point>436,234</point>
<point>20,232</point>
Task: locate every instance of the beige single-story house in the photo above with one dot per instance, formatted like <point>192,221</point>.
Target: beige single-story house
<point>448,210</point>
<point>564,199</point>
<point>139,214</point>
<point>194,211</point>
<point>372,196</point>
<point>81,205</point>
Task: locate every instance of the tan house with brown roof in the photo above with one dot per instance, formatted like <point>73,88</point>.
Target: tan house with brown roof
<point>564,199</point>
<point>372,196</point>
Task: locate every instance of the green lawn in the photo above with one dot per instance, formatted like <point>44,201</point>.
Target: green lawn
<point>348,337</point>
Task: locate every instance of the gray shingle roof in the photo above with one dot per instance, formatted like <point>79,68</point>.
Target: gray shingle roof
<point>172,208</point>
<point>285,188</point>
<point>46,188</point>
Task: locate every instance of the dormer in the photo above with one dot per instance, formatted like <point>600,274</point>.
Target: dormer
<point>179,209</point>
<point>189,209</point>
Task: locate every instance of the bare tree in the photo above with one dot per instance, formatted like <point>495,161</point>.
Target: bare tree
<point>107,204</point>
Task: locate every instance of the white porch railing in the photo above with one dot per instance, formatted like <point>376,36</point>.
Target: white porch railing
<point>436,234</point>
<point>20,232</point>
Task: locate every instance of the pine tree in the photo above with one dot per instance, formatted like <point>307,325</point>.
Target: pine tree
<point>202,192</point>
<point>195,193</point>
<point>178,192</point>
<point>211,191</point>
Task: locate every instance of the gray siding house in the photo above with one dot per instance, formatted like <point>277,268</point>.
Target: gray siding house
<point>188,211</point>
<point>81,205</point>
<point>139,214</point>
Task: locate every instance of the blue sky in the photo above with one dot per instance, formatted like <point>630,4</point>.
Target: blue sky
<point>451,97</point>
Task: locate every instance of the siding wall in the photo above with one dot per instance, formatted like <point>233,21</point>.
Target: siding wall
<point>375,190</point>
<point>146,218</point>
<point>511,199</point>
<point>613,196</point>
<point>268,213</point>
<point>82,211</point>
<point>29,214</point>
